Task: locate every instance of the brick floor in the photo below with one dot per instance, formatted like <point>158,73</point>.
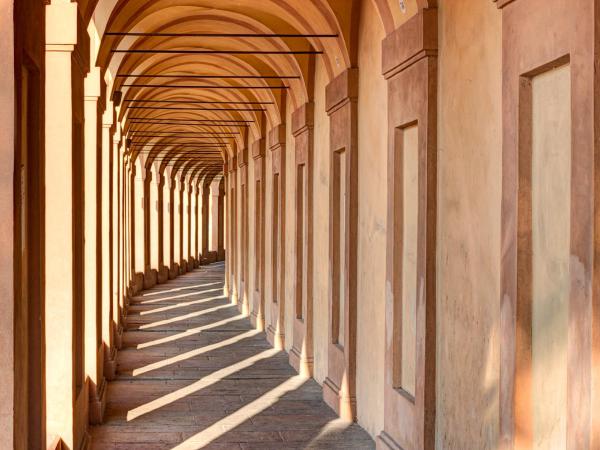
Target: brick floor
<point>193,374</point>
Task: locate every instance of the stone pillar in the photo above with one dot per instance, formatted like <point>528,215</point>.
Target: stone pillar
<point>257,317</point>
<point>205,220</point>
<point>163,229</point>
<point>243,300</point>
<point>197,222</point>
<point>94,357</point>
<point>221,222</point>
<point>301,353</point>
<point>339,388</point>
<point>138,226</point>
<point>116,211</point>
<point>145,202</point>
<point>67,62</point>
<point>190,210</point>
<point>226,255</point>
<point>233,237</point>
<point>276,327</point>
<point>110,363</point>
<point>214,216</point>
<point>173,266</point>
<point>185,223</point>
<point>152,208</point>
<point>179,258</point>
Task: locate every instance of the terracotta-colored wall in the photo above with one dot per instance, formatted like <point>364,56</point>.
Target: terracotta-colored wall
<point>468,253</point>
<point>372,218</point>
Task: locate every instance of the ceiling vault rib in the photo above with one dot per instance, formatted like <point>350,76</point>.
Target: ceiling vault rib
<point>209,77</point>
<point>223,35</point>
<point>194,109</point>
<point>188,86</point>
<point>203,102</point>
<point>217,52</point>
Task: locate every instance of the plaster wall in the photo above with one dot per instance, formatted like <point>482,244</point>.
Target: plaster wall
<point>468,253</point>
<point>320,225</point>
<point>7,127</point>
<point>372,218</point>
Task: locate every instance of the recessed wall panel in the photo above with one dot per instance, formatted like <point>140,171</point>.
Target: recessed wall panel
<point>410,199</point>
<point>550,281</point>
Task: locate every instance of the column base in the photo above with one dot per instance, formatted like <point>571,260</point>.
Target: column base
<point>137,284</point>
<point>277,340</point>
<point>110,362</point>
<point>385,442</point>
<point>163,275</point>
<point>118,335</point>
<point>86,441</point>
<point>97,404</point>
<point>343,405</point>
<point>150,278</point>
<point>300,363</point>
<point>257,320</point>
<point>174,271</point>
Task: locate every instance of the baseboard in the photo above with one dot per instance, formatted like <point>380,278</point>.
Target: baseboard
<point>385,442</point>
<point>301,364</point>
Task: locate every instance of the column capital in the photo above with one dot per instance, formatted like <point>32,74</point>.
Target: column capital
<point>258,148</point>
<point>61,26</point>
<point>92,85</point>
<point>303,119</point>
<point>341,90</point>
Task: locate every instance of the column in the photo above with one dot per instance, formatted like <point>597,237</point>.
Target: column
<point>117,168</point>
<point>205,220</point>
<point>94,356</point>
<point>276,327</point>
<point>173,266</point>
<point>232,244</point>
<point>163,228</point>
<point>66,64</point>
<point>339,388</point>
<point>110,363</point>
<point>243,301</point>
<point>257,317</point>
<point>221,222</point>
<point>138,216</point>
<point>185,223</point>
<point>301,353</point>
<point>197,221</point>
<point>214,218</point>
<point>152,207</point>
<point>226,255</point>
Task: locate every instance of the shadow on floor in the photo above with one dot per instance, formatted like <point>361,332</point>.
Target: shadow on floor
<point>193,374</point>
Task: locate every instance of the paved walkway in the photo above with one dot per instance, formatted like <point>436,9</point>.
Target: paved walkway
<point>193,374</point>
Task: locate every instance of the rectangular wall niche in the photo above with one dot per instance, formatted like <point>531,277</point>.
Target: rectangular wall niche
<point>276,239</point>
<point>339,239</point>
<point>550,249</point>
<point>300,238</point>
<point>405,349</point>
<point>257,237</point>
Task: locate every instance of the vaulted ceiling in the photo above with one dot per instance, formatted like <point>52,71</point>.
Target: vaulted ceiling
<point>199,79</point>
